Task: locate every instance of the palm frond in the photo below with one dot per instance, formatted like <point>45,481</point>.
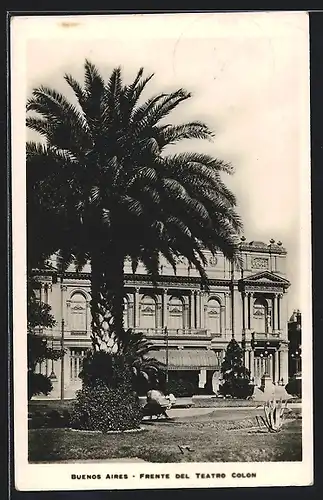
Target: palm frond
<point>170,134</point>
<point>76,87</point>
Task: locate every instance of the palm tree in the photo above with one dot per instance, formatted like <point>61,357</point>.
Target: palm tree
<point>102,187</point>
<point>145,368</point>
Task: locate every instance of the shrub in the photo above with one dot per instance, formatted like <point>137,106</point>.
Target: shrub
<point>294,387</point>
<point>181,388</point>
<point>38,384</point>
<point>99,407</point>
<point>107,400</point>
<point>237,388</point>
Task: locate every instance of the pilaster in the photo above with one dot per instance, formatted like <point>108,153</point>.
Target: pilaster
<point>165,307</point>
<point>283,369</point>
<point>192,309</point>
<point>227,314</point>
<point>136,300</point>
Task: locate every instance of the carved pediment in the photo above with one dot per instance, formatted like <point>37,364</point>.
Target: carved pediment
<point>266,277</point>
<point>148,310</point>
<point>78,308</point>
<point>175,310</point>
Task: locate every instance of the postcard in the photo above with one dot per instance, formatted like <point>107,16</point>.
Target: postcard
<point>161,243</point>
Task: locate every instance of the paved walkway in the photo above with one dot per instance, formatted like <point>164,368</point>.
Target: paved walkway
<point>193,411</point>
<point>189,412</point>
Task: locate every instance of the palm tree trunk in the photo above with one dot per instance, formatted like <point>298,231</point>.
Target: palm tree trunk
<point>107,288</point>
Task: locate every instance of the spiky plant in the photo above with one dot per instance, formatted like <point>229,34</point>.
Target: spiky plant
<point>274,412</point>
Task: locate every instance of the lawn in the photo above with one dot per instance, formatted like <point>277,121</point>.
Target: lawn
<point>216,437</point>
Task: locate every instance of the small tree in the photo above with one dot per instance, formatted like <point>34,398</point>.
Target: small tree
<point>235,375</point>
<point>39,318</point>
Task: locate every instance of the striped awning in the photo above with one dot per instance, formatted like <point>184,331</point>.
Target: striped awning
<point>188,359</point>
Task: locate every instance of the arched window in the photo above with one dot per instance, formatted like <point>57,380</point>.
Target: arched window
<point>147,312</point>
<point>213,316</point>
<point>176,310</point>
<point>78,315</point>
<point>261,315</point>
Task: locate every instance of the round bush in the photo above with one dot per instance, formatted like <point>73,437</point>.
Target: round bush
<point>100,408</point>
<point>237,388</point>
<point>294,387</point>
<point>181,388</point>
<point>38,384</point>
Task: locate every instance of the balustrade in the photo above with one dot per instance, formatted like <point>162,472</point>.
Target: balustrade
<point>174,332</point>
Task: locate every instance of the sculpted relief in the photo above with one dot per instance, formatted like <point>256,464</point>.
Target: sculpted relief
<point>259,263</point>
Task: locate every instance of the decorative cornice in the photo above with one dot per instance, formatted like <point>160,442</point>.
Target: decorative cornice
<point>261,247</point>
<point>253,281</point>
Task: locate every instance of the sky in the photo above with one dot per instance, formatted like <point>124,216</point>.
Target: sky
<point>248,75</point>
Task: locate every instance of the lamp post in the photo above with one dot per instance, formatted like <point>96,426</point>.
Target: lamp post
<point>166,337</point>
<point>62,361</point>
<point>52,375</point>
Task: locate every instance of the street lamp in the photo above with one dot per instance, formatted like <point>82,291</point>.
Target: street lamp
<point>166,336</point>
<point>52,375</point>
<point>62,360</point>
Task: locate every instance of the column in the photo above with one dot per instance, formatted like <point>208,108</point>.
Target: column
<point>185,315</point>
<point>279,304</point>
<point>276,367</point>
<point>63,377</point>
<point>165,311</point>
<point>248,307</point>
<point>251,300</point>
<point>198,309</point>
<point>227,313</point>
<point>222,320</point>
<point>131,322</point>
<point>202,378</point>
<point>159,313</point>
<point>88,316</point>
<point>41,292</point>
<point>275,315</point>
<point>270,366</point>
<point>246,359</point>
<point>252,364</point>
<point>244,312</point>
<point>284,366</point>
<point>202,311</point>
<point>284,316</point>
<point>192,310</point>
<point>256,371</point>
<point>136,298</point>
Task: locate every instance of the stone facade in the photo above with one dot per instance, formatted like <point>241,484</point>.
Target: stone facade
<point>249,304</point>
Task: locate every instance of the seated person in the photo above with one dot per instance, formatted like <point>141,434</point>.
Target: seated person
<point>155,396</point>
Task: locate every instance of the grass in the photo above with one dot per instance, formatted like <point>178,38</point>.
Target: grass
<point>217,437</point>
<point>49,404</point>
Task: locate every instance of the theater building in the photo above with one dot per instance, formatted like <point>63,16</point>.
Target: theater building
<point>194,326</point>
